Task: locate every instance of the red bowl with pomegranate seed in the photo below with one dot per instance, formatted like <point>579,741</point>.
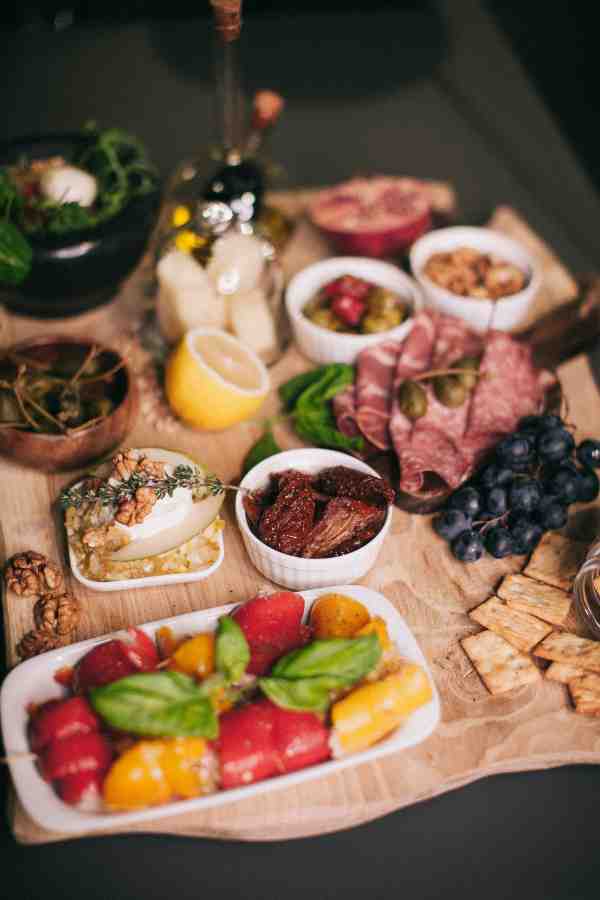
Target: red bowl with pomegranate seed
<point>321,344</point>
<point>377,217</point>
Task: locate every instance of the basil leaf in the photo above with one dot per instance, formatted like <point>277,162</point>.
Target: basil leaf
<point>345,658</point>
<point>264,447</point>
<point>308,694</point>
<point>157,704</point>
<point>232,653</point>
<point>15,255</point>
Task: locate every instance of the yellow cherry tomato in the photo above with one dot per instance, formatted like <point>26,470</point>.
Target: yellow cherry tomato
<point>376,626</point>
<point>182,763</point>
<point>337,616</point>
<point>195,657</point>
<point>137,779</point>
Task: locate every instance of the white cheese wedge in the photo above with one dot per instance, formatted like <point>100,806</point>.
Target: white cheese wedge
<point>252,322</point>
<point>186,298</point>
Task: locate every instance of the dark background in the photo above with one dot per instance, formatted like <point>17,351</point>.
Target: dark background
<point>450,90</point>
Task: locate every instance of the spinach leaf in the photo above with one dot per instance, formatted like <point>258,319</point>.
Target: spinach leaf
<point>312,694</point>
<point>265,446</point>
<point>347,658</point>
<point>232,653</point>
<point>290,391</point>
<point>158,704</point>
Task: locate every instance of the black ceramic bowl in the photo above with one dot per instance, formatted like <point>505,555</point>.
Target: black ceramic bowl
<point>78,271</point>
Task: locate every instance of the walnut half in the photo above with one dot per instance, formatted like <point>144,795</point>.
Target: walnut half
<point>57,613</point>
<point>31,574</point>
<point>36,642</point>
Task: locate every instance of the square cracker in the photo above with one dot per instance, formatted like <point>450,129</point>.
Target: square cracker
<point>518,628</point>
<point>560,646</point>
<point>585,693</point>
<point>541,600</point>
<point>562,672</point>
<point>500,666</point>
<point>556,560</point>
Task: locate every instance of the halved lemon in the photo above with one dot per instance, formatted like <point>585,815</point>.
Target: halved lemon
<point>213,381</point>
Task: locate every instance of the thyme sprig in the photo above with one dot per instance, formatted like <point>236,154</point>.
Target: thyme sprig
<point>112,493</point>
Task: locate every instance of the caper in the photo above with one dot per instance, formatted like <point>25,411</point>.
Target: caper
<point>413,400</point>
<point>467,379</point>
<point>449,390</point>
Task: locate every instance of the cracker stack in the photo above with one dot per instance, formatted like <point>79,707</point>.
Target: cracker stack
<point>531,618</point>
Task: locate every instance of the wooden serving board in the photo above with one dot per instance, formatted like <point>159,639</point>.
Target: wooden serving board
<point>480,735</point>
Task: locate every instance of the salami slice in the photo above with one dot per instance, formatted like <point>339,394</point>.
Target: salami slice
<point>376,368</point>
<point>434,442</point>
<point>510,388</point>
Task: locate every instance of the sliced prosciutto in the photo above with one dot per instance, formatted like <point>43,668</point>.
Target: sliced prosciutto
<point>375,372</point>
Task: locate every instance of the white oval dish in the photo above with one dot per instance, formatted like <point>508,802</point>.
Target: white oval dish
<point>293,571</point>
<point>504,314</point>
<point>324,346</point>
<point>151,580</point>
<point>32,682</point>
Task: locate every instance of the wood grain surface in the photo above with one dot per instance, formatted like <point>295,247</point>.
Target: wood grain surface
<point>480,735</point>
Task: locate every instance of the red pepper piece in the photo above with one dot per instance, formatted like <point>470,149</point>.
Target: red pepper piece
<point>83,789</point>
<point>350,285</point>
<point>132,652</point>
<point>81,753</point>
<point>301,739</point>
<point>60,719</point>
<point>349,309</point>
<point>245,744</point>
<point>273,626</point>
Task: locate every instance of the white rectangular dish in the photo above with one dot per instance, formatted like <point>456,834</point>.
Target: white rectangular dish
<point>122,584</point>
<point>33,682</point>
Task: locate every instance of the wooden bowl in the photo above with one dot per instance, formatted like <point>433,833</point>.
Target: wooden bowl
<point>60,452</point>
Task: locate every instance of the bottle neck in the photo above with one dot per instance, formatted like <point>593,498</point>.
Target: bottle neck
<point>228,100</point>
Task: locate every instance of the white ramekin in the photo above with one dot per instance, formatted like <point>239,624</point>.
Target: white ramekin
<point>324,346</point>
<point>293,571</point>
<point>504,314</point>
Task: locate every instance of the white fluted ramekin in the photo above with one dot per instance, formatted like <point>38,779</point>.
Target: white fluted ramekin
<point>293,571</point>
<point>325,346</point>
<point>504,314</point>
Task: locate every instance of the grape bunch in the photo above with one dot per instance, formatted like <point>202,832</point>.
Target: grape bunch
<point>524,490</point>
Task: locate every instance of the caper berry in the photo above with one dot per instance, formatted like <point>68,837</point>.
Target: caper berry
<point>467,379</point>
<point>413,400</point>
<point>449,390</point>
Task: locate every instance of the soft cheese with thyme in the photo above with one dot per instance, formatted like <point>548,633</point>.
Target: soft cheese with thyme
<point>166,513</point>
<point>150,512</point>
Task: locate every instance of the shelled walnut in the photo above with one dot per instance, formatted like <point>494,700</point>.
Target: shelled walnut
<point>36,642</point>
<point>134,511</point>
<point>31,574</point>
<point>57,613</point>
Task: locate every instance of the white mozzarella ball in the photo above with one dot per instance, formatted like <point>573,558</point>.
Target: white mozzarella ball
<point>68,184</point>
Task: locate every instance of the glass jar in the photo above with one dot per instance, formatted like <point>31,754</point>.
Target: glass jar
<point>586,590</point>
<point>213,270</point>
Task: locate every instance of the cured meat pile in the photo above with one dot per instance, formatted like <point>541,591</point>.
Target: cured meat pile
<point>444,445</point>
<point>317,516</point>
